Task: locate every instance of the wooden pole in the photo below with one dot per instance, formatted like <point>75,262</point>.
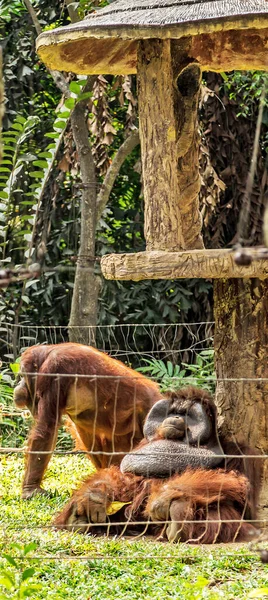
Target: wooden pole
<point>168,88</point>
<point>241,349</point>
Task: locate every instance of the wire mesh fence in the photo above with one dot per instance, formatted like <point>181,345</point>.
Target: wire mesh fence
<point>128,342</point>
<point>189,485</point>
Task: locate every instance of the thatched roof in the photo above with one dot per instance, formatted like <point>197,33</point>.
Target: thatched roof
<point>106,41</point>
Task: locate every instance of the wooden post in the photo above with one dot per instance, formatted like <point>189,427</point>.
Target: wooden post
<point>241,350</point>
<point>168,87</point>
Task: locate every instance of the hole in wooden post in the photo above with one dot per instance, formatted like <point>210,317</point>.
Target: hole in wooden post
<point>188,81</point>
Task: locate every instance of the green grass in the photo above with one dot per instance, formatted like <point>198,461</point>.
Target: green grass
<point>70,565</point>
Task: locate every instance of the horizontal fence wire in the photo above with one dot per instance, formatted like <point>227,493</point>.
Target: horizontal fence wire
<point>128,341</point>
<point>111,326</point>
<point>109,557</point>
<point>126,377</point>
<point>126,523</point>
<point>7,450</point>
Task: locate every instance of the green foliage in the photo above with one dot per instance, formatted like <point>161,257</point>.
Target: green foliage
<point>173,377</point>
<point>14,424</point>
<point>9,8</point>
<point>6,384</point>
<point>29,89</point>
<point>245,88</point>
<point>22,163</point>
<point>13,170</point>
<point>202,373</point>
<point>47,299</point>
<point>168,375</point>
<point>16,580</point>
<point>153,302</point>
<point>84,7</point>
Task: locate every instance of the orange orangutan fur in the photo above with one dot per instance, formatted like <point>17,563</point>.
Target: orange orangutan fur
<point>198,505</point>
<point>107,404</point>
<point>208,505</point>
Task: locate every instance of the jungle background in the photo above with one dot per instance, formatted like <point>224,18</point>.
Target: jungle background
<point>40,185</point>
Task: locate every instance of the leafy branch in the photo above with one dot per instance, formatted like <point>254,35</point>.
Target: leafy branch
<point>173,377</point>
<point>86,286</point>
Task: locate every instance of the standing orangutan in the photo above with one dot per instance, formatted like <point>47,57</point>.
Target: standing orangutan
<point>179,477</point>
<point>106,401</point>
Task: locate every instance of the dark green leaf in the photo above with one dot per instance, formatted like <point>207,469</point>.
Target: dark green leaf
<point>37,174</point>
<point>11,560</point>
<point>29,548</point>
<point>40,163</point>
<point>53,135</point>
<point>27,573</point>
<point>84,96</point>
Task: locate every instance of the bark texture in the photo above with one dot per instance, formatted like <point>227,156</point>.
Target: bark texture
<point>206,264</point>
<point>125,149</point>
<point>84,309</point>
<point>241,348</point>
<point>168,87</point>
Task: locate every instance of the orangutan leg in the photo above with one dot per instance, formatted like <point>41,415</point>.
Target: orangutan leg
<point>200,505</point>
<point>41,444</point>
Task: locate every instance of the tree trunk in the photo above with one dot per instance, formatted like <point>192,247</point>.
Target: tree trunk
<point>168,85</point>
<point>83,317</point>
<point>241,349</point>
<point>84,310</point>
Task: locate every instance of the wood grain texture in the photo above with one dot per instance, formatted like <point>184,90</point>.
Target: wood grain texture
<point>206,264</point>
<point>168,91</point>
<point>241,349</point>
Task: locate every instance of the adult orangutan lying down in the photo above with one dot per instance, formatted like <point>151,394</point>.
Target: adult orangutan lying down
<point>177,482</point>
<point>106,401</point>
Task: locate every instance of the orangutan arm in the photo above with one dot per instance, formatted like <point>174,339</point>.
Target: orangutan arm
<point>90,502</point>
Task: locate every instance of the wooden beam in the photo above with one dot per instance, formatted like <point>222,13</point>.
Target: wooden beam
<point>205,264</point>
